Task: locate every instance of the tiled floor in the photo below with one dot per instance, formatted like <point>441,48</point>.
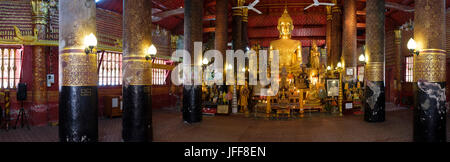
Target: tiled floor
<point>168,126</point>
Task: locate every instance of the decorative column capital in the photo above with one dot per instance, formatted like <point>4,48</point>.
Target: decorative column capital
<point>245,14</point>
<point>430,66</point>
<point>239,11</point>
<point>398,36</point>
<point>335,8</point>
<point>240,3</point>
<point>375,71</point>
<point>39,11</point>
<point>329,13</point>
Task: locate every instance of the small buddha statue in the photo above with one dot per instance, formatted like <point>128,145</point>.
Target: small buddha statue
<point>283,80</point>
<point>312,97</point>
<point>244,94</point>
<point>356,95</point>
<point>289,49</point>
<point>315,56</point>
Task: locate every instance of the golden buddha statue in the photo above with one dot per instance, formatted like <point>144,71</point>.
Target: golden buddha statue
<point>244,94</point>
<point>312,97</point>
<point>315,56</point>
<point>289,49</point>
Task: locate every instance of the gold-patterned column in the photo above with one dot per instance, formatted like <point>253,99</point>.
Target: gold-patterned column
<point>78,79</point>
<point>137,79</point>
<point>39,108</point>
<point>374,109</point>
<point>429,76</point>
<point>398,63</point>
<point>336,34</point>
<point>328,38</point>
<point>349,44</point>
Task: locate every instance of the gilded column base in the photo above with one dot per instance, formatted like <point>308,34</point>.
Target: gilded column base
<point>137,113</point>
<point>374,104</point>
<point>430,113</point>
<point>192,106</point>
<point>78,114</point>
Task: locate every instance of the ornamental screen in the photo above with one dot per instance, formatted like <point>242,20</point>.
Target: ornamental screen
<point>10,66</point>
<point>409,69</point>
<point>361,73</point>
<point>110,70</point>
<point>159,75</point>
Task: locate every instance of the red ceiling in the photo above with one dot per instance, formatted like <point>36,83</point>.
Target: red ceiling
<point>308,24</point>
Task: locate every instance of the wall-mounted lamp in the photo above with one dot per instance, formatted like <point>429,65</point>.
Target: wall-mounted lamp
<point>151,52</point>
<point>328,68</point>
<point>90,42</point>
<point>362,58</point>
<point>205,61</point>
<point>339,65</point>
<point>412,46</point>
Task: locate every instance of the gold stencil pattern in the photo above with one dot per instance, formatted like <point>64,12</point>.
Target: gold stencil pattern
<point>375,71</point>
<point>137,72</point>
<point>78,69</point>
<point>238,11</point>
<point>429,66</point>
<point>245,14</point>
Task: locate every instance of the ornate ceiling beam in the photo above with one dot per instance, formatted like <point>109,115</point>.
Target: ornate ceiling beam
<point>400,7</point>
<point>270,27</point>
<point>293,37</point>
<point>169,13</point>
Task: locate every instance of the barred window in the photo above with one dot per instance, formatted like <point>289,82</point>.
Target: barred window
<point>10,66</point>
<point>159,75</point>
<point>360,73</point>
<point>110,71</point>
<point>409,69</point>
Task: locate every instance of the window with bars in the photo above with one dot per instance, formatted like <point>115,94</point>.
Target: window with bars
<point>10,66</point>
<point>360,73</point>
<point>159,75</point>
<point>409,69</point>
<point>110,71</point>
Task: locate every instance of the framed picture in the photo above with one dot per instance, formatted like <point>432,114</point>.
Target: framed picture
<point>349,105</point>
<point>349,71</point>
<point>332,87</point>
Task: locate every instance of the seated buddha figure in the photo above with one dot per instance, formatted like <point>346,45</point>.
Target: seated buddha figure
<point>312,97</point>
<point>289,49</point>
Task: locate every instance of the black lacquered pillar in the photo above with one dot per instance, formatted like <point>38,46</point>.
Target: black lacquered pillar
<point>137,38</point>
<point>245,42</point>
<point>78,73</point>
<point>237,25</point>
<point>429,76</point>
<point>374,109</point>
<point>336,34</point>
<point>193,32</point>
<point>221,34</point>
